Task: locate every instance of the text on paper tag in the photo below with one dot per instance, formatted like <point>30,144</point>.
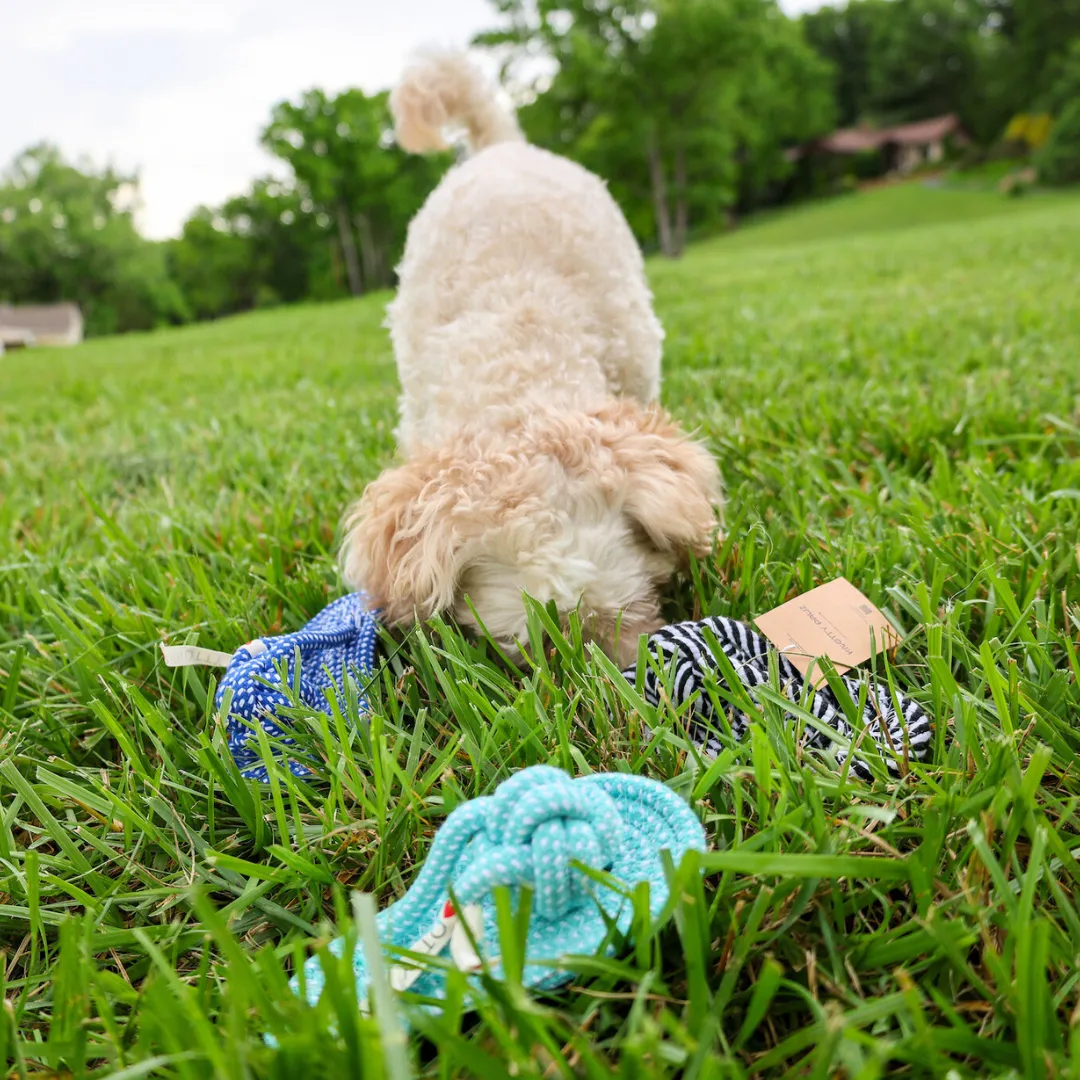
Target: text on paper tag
<point>835,621</point>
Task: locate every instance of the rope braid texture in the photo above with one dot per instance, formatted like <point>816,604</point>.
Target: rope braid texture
<point>342,641</point>
<point>683,664</point>
<point>543,830</point>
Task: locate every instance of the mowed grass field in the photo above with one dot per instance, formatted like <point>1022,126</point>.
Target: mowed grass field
<point>892,386</point>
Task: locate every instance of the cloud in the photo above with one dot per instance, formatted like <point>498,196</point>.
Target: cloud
<point>56,25</point>
<point>199,141</point>
<point>180,89</point>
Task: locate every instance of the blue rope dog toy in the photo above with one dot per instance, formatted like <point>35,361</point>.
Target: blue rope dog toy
<point>337,644</point>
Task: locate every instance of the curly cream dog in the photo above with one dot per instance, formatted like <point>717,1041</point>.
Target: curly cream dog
<point>535,458</point>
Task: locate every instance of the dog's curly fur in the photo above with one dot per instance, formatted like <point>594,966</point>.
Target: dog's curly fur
<point>536,459</point>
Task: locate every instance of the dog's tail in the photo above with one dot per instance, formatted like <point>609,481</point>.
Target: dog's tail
<point>446,89</point>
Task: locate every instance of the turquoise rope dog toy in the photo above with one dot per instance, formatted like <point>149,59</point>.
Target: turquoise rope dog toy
<point>530,833</point>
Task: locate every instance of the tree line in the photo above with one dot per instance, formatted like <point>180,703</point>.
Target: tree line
<point>686,106</point>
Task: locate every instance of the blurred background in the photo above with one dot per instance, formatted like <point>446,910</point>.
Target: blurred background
<point>173,162</point>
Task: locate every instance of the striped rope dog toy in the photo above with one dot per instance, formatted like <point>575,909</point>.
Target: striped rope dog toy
<point>682,653</point>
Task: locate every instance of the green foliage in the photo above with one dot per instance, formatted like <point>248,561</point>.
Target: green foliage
<point>1065,80</point>
<point>342,154</point>
<point>924,59</point>
<point>1040,33</point>
<point>336,226</point>
<point>843,35</point>
<point>987,60</point>
<point>785,100</point>
<point>67,233</point>
<point>886,381</point>
<point>1058,161</point>
<point>685,104</point>
<point>267,247</point>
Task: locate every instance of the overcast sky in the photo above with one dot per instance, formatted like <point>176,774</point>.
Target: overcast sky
<point>181,88</point>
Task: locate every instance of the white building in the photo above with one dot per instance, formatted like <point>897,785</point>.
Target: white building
<point>22,325</point>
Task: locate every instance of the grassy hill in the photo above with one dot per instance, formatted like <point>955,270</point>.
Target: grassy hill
<point>891,383</point>
<point>887,209</point>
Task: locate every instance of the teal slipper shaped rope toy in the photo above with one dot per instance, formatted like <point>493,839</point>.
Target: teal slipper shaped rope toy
<point>531,832</point>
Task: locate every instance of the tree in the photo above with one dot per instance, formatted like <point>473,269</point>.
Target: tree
<point>1040,33</point>
<point>67,234</point>
<point>785,99</point>
<point>1059,160</point>
<point>986,60</point>
<point>683,90</point>
<point>843,36</point>
<point>925,60</point>
<point>264,247</point>
<point>1064,81</point>
<point>211,266</point>
<point>342,154</point>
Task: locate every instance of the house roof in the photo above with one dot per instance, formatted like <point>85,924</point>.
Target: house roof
<point>860,139</point>
<point>925,131</point>
<point>852,141</point>
<point>11,336</point>
<point>40,319</point>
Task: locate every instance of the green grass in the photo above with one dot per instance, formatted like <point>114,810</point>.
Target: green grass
<point>892,209</point>
<point>985,176</point>
<point>901,407</point>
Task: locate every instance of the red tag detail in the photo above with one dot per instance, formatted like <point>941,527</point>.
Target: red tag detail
<point>448,910</point>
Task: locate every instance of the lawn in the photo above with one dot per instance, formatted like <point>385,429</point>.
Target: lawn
<point>891,383</point>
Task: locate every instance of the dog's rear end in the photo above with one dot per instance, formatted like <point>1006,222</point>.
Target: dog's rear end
<point>528,352</point>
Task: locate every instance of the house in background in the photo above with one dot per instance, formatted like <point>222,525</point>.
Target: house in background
<point>909,146</point>
<point>11,337</point>
<point>902,149</point>
<point>22,325</point>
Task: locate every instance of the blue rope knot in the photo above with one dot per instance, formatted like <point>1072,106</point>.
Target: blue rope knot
<point>536,825</point>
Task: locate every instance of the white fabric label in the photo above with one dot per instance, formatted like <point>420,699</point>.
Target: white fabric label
<point>449,930</point>
<point>193,656</point>
<point>461,948</point>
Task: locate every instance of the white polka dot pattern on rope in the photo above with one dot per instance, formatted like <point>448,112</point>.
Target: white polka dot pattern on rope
<point>531,832</point>
<point>338,644</point>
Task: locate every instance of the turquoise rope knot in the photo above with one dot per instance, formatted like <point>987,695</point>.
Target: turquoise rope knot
<point>531,832</point>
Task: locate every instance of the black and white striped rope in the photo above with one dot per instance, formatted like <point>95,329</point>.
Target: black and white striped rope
<point>683,660</point>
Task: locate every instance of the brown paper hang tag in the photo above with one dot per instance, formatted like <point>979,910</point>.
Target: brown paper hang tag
<point>835,621</point>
